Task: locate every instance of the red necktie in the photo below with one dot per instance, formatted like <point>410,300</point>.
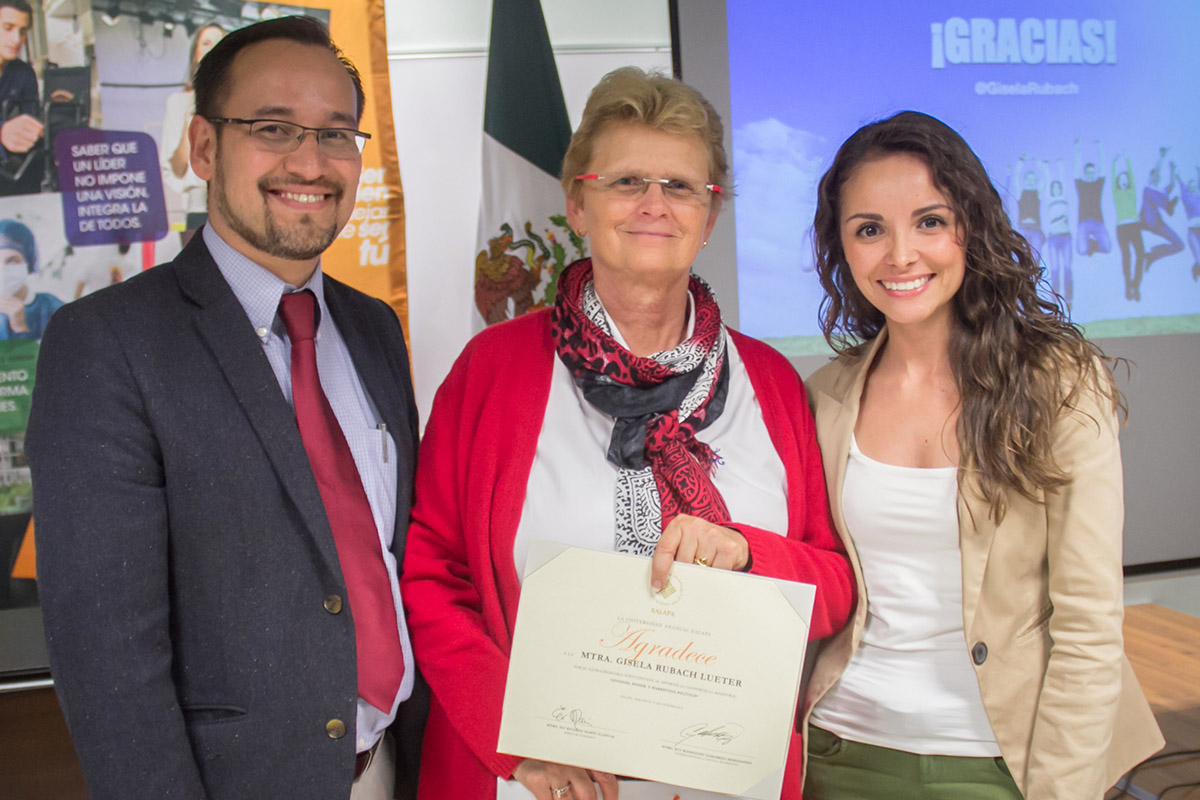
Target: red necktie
<point>376,637</point>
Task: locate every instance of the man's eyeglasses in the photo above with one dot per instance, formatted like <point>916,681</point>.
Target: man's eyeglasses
<point>282,137</point>
<point>675,189</point>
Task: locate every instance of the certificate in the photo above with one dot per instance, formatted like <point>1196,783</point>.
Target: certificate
<point>695,685</point>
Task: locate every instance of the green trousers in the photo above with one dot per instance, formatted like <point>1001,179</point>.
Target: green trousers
<point>843,770</point>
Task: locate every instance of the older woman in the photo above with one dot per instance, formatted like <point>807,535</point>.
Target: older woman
<point>627,418</point>
<point>970,442</point>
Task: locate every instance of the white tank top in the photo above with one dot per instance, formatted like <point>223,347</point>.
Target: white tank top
<point>910,685</point>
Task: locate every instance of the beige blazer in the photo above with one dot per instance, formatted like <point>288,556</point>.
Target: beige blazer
<point>1042,603</point>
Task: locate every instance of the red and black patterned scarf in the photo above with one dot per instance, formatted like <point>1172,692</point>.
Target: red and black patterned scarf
<point>660,402</point>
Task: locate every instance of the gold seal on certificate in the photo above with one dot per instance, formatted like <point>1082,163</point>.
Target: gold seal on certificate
<point>694,685</point>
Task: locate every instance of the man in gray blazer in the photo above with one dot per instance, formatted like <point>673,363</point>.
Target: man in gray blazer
<point>209,633</point>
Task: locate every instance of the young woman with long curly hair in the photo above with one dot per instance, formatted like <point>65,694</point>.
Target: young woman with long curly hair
<point>969,434</point>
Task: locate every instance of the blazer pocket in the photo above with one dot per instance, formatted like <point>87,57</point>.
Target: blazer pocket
<point>1039,623</point>
<point>210,714</point>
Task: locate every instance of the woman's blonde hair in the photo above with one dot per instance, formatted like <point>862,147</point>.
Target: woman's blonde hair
<point>631,95</point>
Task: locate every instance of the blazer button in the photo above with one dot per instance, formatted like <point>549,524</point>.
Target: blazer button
<point>335,728</point>
<point>333,604</point>
<point>979,653</point>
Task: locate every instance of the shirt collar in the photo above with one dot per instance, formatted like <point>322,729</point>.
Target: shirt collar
<point>256,288</point>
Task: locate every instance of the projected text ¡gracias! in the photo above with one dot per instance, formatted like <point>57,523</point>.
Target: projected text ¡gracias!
<point>1027,41</point>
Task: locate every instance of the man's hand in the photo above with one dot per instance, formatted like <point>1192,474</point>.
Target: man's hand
<point>20,133</point>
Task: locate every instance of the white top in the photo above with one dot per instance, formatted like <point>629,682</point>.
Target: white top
<point>572,485</point>
<point>175,118</point>
<point>911,684</point>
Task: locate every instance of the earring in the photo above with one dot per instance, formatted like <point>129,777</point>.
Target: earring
<point>704,245</point>
<point>581,233</point>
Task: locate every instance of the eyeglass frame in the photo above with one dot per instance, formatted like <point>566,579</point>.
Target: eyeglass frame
<point>360,138</point>
<point>663,182</point>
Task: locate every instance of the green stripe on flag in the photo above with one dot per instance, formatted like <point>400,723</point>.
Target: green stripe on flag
<point>524,109</point>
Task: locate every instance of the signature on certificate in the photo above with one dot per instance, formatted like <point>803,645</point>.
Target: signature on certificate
<point>574,716</point>
<point>703,732</point>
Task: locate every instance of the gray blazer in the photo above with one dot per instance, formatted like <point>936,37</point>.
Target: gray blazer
<point>184,555</point>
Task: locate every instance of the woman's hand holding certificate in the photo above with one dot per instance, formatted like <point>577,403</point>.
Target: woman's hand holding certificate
<point>671,685</point>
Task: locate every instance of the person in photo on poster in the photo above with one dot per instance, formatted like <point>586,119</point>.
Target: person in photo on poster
<point>628,409</point>
<point>173,154</point>
<point>985,658</point>
<point>20,126</point>
<point>223,450</point>
<point>24,313</point>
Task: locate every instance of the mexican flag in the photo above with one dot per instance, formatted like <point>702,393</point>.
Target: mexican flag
<point>524,240</point>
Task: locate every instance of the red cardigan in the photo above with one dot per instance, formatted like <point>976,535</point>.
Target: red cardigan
<point>459,582</point>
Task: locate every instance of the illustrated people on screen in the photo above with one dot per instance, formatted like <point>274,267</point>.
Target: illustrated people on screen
<point>1029,205</point>
<point>20,128</point>
<point>1190,194</point>
<point>23,312</point>
<point>1058,245</point>
<point>1089,185</point>
<point>1129,227</point>
<point>1155,201</point>
<point>173,155</point>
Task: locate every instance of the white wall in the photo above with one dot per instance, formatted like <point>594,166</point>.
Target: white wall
<point>437,51</point>
<point>1179,590</point>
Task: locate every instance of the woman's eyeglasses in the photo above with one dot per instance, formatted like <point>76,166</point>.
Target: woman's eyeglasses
<point>674,189</point>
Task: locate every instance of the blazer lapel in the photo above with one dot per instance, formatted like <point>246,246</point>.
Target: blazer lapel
<point>222,323</point>
<point>976,532</point>
<point>839,419</point>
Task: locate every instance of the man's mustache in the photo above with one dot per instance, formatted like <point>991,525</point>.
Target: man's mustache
<point>334,188</point>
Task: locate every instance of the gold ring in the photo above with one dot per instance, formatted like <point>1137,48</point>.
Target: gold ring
<point>701,560</point>
<point>563,792</point>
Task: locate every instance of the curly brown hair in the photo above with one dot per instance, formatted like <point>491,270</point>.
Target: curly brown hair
<point>1018,361</point>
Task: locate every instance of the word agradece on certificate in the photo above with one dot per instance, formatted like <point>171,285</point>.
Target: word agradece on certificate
<point>694,686</point>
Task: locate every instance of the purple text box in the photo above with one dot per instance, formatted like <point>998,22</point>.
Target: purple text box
<point>111,187</point>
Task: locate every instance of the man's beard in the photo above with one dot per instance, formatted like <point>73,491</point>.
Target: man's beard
<point>302,241</point>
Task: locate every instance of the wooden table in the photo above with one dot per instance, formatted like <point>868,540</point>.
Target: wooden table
<point>1164,648</point>
<point>37,761</point>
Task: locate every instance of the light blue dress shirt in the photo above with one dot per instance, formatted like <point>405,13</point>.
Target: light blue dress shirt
<point>259,291</point>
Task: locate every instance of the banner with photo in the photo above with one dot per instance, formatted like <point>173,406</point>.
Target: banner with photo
<point>95,187</point>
